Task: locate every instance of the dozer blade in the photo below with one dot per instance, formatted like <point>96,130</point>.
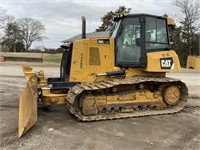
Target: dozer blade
<point>28,102</point>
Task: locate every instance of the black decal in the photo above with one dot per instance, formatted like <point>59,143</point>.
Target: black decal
<point>81,61</point>
<point>166,63</point>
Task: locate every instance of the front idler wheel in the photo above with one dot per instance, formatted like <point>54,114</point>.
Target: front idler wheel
<point>171,95</point>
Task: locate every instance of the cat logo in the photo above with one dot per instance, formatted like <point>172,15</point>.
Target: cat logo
<point>167,63</point>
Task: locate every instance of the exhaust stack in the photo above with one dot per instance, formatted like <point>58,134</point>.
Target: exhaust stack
<point>83,27</point>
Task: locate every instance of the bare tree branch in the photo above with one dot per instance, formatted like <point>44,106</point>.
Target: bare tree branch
<point>32,30</point>
<point>4,18</point>
<point>191,12</point>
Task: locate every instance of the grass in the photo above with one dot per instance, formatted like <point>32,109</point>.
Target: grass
<point>56,58</point>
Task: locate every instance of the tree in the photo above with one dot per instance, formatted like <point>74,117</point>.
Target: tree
<point>107,19</point>
<point>12,36</point>
<point>31,30</point>
<point>177,44</point>
<point>190,9</point>
<point>4,19</point>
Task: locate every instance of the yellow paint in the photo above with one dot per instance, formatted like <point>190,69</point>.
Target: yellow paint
<point>28,102</point>
<point>82,70</point>
<point>85,67</point>
<point>49,98</point>
<point>170,21</point>
<point>153,61</point>
<point>193,62</point>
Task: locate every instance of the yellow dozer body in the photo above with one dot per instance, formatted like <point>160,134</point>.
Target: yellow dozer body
<point>119,76</point>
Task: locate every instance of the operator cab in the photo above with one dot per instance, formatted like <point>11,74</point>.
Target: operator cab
<point>136,35</point>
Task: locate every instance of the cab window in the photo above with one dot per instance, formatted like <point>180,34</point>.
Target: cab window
<point>156,34</point>
<point>129,41</point>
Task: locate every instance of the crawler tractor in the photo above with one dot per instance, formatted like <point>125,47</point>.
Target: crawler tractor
<point>119,76</point>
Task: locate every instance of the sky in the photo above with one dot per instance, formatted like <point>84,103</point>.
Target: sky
<point>62,18</point>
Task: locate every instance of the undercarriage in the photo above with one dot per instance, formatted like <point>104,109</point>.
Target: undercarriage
<point>124,98</point>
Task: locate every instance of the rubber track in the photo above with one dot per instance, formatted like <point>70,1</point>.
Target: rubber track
<point>76,91</point>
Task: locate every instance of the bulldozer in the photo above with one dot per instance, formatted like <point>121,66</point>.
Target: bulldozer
<point>122,75</point>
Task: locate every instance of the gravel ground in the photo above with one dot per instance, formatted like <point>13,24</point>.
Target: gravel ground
<point>58,129</point>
